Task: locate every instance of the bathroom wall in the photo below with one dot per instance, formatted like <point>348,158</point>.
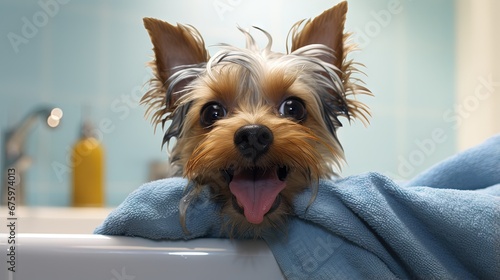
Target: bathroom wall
<point>477,114</point>
<point>76,53</point>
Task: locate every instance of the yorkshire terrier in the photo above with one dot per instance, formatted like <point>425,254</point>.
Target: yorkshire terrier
<point>255,126</point>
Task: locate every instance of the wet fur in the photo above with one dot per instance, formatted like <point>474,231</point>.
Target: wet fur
<point>251,83</point>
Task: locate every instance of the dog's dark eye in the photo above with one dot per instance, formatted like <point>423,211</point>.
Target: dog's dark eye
<point>212,112</point>
<point>293,108</point>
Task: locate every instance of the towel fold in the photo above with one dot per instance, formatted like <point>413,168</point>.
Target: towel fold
<point>444,224</point>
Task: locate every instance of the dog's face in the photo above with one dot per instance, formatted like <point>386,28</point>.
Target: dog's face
<point>255,126</point>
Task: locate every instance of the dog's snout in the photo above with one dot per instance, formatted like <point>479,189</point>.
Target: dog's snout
<point>253,140</point>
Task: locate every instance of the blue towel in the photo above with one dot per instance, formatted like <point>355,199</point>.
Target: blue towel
<point>444,224</point>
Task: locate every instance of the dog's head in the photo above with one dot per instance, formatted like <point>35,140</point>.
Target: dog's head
<point>255,126</point>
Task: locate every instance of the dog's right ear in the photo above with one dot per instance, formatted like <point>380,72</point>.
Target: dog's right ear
<point>175,48</point>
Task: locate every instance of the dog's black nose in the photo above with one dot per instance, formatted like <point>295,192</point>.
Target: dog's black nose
<point>253,140</point>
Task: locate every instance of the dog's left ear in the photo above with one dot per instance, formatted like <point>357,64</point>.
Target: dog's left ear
<point>326,29</point>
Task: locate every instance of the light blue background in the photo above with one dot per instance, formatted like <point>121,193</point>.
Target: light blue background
<point>93,53</point>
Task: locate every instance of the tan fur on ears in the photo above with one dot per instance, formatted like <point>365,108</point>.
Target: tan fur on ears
<point>173,46</point>
<point>326,29</point>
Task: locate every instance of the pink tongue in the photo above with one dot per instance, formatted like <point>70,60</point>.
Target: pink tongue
<point>256,191</point>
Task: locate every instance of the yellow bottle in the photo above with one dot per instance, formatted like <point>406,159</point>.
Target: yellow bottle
<point>88,170</point>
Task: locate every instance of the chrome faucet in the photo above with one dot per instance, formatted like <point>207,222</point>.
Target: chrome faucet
<point>13,156</point>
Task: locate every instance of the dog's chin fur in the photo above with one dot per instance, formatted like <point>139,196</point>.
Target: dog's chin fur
<point>250,85</point>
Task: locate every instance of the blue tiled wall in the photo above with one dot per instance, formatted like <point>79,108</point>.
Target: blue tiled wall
<point>93,53</point>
